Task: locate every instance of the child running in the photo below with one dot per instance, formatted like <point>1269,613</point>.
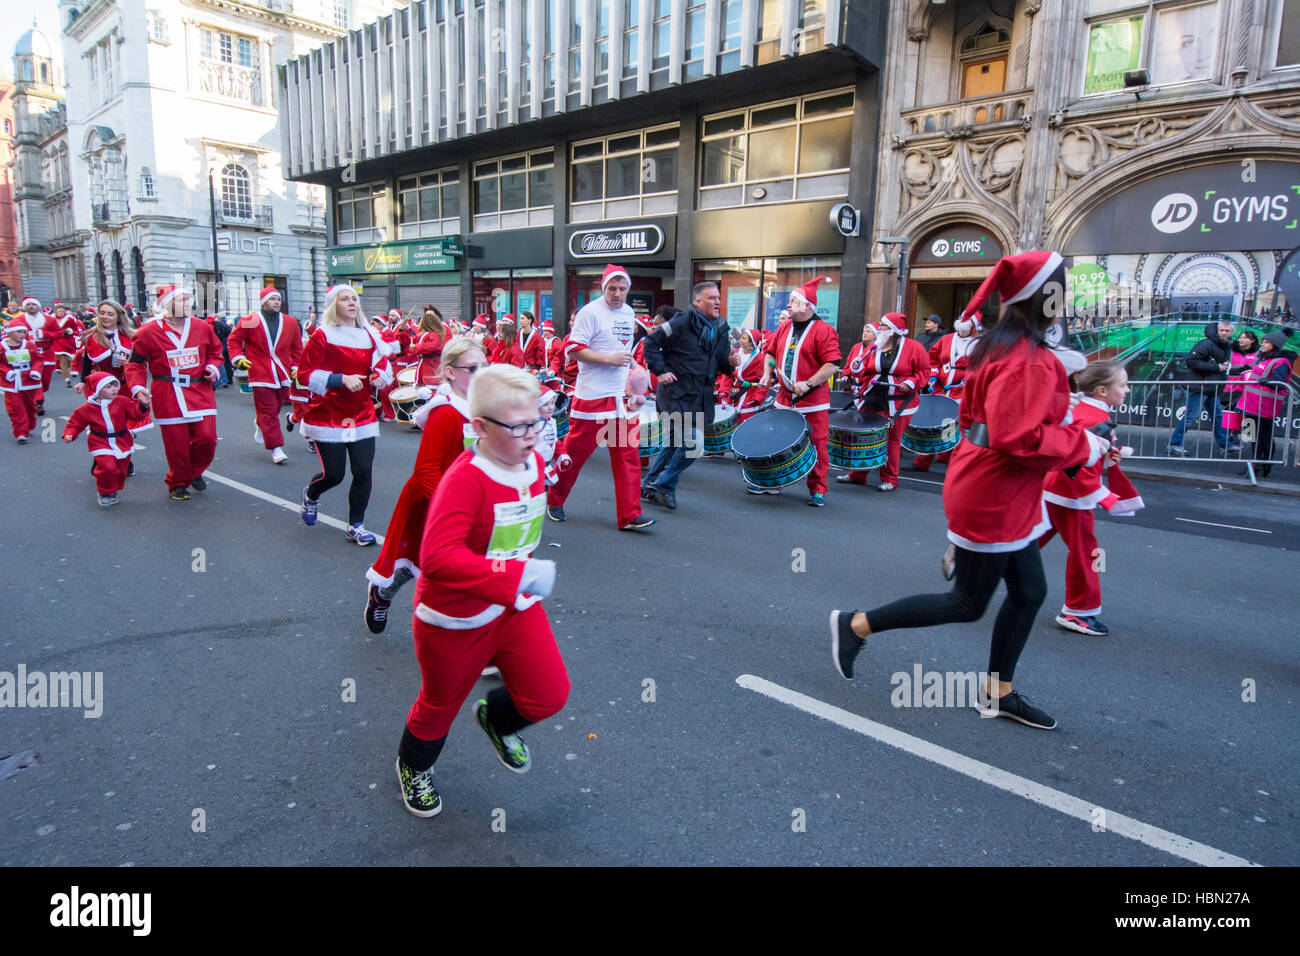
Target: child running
<point>113,420</point>
<point>20,380</point>
<point>478,599</point>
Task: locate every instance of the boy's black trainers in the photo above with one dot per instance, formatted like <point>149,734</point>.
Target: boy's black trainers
<point>419,795</point>
<point>198,483</point>
<point>376,610</point>
<point>179,493</point>
<point>845,645</point>
<point>511,750</point>
<point>1017,708</point>
<point>555,514</point>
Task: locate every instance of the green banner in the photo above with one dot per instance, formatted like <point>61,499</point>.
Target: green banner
<point>1114,47</point>
<point>424,255</point>
<point>1088,285</point>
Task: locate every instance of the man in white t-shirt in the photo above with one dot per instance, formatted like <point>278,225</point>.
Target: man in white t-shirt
<point>601,343</point>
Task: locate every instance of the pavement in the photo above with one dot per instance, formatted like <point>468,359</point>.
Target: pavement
<point>706,723</point>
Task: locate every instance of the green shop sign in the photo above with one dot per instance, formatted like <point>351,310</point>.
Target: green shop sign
<point>1088,285</point>
<point>430,255</point>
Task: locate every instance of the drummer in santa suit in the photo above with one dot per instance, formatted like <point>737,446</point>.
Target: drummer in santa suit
<point>268,345</point>
<point>746,392</point>
<point>530,340</point>
<point>890,373</point>
<point>804,353</point>
<point>174,363</point>
<point>948,360</point>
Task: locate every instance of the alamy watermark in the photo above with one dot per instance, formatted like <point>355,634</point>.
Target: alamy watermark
<point>923,688</point>
<point>74,689</point>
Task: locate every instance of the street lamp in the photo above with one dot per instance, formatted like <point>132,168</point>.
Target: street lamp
<point>901,242</point>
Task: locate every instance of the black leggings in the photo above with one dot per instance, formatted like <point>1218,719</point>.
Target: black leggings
<point>978,574</point>
<point>334,457</point>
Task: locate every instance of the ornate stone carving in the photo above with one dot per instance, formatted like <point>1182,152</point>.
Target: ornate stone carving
<point>918,35</point>
<point>1085,147</point>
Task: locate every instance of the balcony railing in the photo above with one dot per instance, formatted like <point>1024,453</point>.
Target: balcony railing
<point>257,216</point>
<point>968,115</point>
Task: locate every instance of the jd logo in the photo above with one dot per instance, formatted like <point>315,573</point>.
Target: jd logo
<point>940,248</point>
<point>1174,213</point>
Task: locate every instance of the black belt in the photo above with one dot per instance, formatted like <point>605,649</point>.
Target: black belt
<point>978,435</point>
<point>184,381</point>
<point>110,434</point>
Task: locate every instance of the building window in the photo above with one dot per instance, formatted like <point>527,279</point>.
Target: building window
<point>629,174</point>
<point>156,26</point>
<point>662,27</point>
<point>236,193</point>
<point>137,264</point>
<point>1175,43</point>
<point>694,65</point>
<point>360,214</point>
<point>337,10</point>
<point>730,60</point>
<point>229,66</point>
<point>983,60</point>
<point>515,191</point>
<point>797,149</point>
<point>147,184</point>
<point>1288,39</point>
<point>429,204</point>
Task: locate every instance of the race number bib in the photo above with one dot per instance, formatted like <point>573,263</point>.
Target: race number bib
<point>516,528</point>
<point>622,330</point>
<point>183,358</point>
<point>20,359</point>
<point>468,435</point>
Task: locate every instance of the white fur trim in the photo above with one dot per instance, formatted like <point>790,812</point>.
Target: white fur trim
<point>1033,285</point>
<point>318,381</point>
<point>334,434</point>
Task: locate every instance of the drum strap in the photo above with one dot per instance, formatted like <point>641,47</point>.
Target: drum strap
<point>979,435</point>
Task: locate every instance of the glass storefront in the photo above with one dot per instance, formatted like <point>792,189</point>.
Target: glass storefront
<point>755,290</point>
<point>651,287</point>
<point>512,291</point>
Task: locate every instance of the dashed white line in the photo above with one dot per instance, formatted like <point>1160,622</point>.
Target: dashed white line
<point>1118,823</point>
<point>284,503</point>
<point>924,481</point>
<point>1215,524</point>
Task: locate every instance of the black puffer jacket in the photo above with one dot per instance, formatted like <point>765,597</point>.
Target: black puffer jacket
<point>694,348</point>
<point>1204,359</point>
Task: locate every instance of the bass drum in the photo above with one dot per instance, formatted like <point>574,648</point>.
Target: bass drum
<point>933,429</point>
<point>717,437</point>
<point>405,401</point>
<point>774,449</point>
<point>857,441</point>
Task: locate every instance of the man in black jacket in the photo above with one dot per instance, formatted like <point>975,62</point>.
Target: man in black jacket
<point>686,353</point>
<point>1208,363</point>
<point>932,333</point>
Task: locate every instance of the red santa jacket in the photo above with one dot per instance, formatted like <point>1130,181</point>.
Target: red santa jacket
<point>903,374</point>
<point>564,366</point>
<point>534,350</point>
<point>488,522</point>
<point>429,349</point>
<point>111,425</point>
<point>176,362</point>
<point>508,353</point>
<point>948,368</point>
<point>549,346</point>
<point>746,377</point>
<point>67,330</point>
<point>42,330</point>
<point>993,497</point>
<point>272,361</point>
<point>798,358</point>
<point>20,368</point>
<point>335,414</point>
<point>110,358</point>
<point>1085,490</point>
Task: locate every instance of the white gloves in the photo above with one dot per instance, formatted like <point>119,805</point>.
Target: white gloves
<point>538,577</point>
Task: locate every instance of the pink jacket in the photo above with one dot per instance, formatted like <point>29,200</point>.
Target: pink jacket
<point>1261,400</point>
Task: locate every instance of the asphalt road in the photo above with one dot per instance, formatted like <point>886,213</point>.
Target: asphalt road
<point>223,674</point>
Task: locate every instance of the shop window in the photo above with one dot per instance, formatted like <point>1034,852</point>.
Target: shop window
<point>512,291</point>
<point>755,291</point>
<point>360,214</point>
<point>1175,43</point>
<point>777,152</point>
<point>628,174</point>
<point>514,191</point>
<point>429,204</point>
<point>1288,39</point>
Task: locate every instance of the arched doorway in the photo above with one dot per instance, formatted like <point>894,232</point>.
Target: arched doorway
<point>945,268</point>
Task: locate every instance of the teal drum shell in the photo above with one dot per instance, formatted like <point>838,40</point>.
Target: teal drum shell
<point>561,416</point>
<point>774,449</point>
<point>717,437</point>
<point>857,441</point>
<point>651,430</point>
<point>933,430</point>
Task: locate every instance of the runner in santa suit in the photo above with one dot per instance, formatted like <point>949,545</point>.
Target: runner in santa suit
<point>427,346</point>
<point>268,345</point>
<point>805,353</point>
<point>341,361</point>
<point>746,392</point>
<point>478,600</point>
<point>174,363</point>
<point>106,345</point>
<point>113,420</point>
<point>530,341</point>
<point>563,365</point>
<point>1017,414</point>
<point>601,343</point>
<point>549,342</point>
<point>890,375</point>
<point>68,329</point>
<point>507,351</point>
<point>20,379</point>
<point>447,433</point>
<point>40,340</point>
<point>948,360</point>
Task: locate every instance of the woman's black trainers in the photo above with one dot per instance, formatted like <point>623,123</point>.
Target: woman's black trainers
<point>1017,708</point>
<point>845,645</point>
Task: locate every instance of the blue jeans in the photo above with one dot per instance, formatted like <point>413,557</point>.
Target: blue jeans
<point>1196,398</point>
<point>674,459</point>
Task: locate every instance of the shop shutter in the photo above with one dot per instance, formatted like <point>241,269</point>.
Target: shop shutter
<point>445,298</point>
<point>374,298</point>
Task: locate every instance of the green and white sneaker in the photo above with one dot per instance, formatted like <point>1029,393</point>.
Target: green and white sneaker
<point>418,793</point>
<point>511,750</point>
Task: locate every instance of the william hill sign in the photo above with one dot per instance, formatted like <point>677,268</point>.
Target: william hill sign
<point>633,240</point>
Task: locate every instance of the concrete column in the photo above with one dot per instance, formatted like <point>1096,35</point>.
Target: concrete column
<point>688,146</point>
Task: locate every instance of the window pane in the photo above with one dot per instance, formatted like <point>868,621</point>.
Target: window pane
<point>343,215</point>
<point>450,175</point>
<point>695,35</point>
<point>408,210</point>
<point>825,145</point>
<point>724,161</point>
<point>405,184</point>
<point>663,8</point>
<point>622,144</point>
<point>485,169</point>
<point>724,124</point>
<point>485,195</point>
<point>659,171</point>
<point>631,50</point>
<point>771,153</point>
<point>450,201</point>
<point>1113,47</point>
<point>227,47</point>
<point>1288,41</point>
<point>1186,38</point>
<point>511,165</point>
<point>544,158</point>
<point>540,192</point>
<point>731,24</point>
<point>622,175</point>
<point>661,137</point>
<point>773,114</point>
<point>429,204</point>
<point>588,181</point>
<point>588,150</point>
<point>514,193</point>
<point>660,46</point>
<point>245,52</point>
<point>363,214</point>
<point>602,59</point>
<point>828,104</point>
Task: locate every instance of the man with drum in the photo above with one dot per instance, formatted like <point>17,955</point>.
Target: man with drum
<point>685,353</point>
<point>948,360</point>
<point>805,353</point>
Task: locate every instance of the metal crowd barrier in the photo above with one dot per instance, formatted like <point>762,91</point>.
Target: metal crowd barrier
<point>1147,422</point>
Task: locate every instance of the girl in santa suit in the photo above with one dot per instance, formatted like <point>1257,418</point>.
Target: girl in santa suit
<point>478,599</point>
<point>427,345</point>
<point>531,342</point>
<point>1016,411</point>
<point>949,358</point>
<point>1072,496</point>
<point>113,420</point>
<point>447,433</point>
<point>342,359</point>
<point>507,351</point>
<point>746,394</point>
<point>106,345</point>
<point>20,379</point>
<point>174,363</point>
<point>890,372</point>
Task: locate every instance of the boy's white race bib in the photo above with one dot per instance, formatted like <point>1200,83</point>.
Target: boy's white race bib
<point>468,435</point>
<point>516,528</point>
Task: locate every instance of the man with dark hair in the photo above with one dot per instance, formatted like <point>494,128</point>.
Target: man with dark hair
<point>932,332</point>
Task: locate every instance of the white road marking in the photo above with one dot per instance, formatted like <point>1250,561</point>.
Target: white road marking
<point>284,503</point>
<point>1234,527</point>
<point>924,481</point>
<point>1071,806</point>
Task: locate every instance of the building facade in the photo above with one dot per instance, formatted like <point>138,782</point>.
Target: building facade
<point>175,151</point>
<point>10,276</point>
<point>1154,142</point>
<point>493,156</point>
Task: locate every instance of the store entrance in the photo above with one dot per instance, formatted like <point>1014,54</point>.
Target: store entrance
<point>651,287</point>
<point>944,299</point>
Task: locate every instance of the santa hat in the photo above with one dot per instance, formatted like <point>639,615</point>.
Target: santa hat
<point>333,291</point>
<point>31,298</point>
<point>614,272</point>
<point>96,381</point>
<point>165,293</point>
<point>58,305</point>
<point>643,321</point>
<point>508,317</point>
<point>1015,278</point>
<point>895,322</point>
<point>970,323</point>
<point>808,291</point>
<point>480,321</point>
<point>755,336</point>
<point>267,293</point>
<point>547,326</point>
<point>16,326</point>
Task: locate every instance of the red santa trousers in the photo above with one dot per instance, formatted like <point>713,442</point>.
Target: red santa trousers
<point>1082,583</point>
<point>923,462</point>
<point>519,643</point>
<point>622,438</point>
<point>893,444</point>
<point>21,407</point>
<point>267,402</point>
<point>190,447</point>
<point>819,424</point>
<point>47,374</point>
<point>110,474</point>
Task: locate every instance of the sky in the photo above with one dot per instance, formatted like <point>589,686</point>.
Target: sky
<point>17,20</point>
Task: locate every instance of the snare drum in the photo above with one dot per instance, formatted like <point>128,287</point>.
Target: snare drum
<point>561,415</point>
<point>857,441</point>
<point>406,401</point>
<point>774,448</point>
<point>409,376</point>
<point>651,430</point>
<point>933,430</point>
<point>717,437</point>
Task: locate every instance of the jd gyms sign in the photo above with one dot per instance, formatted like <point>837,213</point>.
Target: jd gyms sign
<point>438,255</point>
